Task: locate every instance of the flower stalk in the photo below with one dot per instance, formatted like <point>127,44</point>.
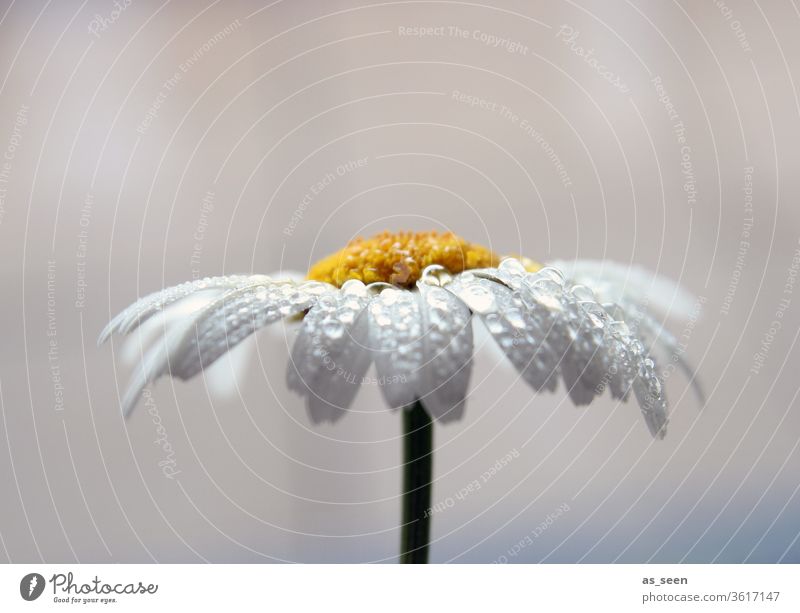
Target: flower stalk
<point>417,484</point>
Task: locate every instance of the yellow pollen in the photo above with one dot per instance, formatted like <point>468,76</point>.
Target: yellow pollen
<point>399,258</point>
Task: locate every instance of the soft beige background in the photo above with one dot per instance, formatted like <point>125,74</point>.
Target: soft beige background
<point>290,93</point>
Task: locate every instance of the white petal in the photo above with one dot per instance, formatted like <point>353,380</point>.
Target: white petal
<point>664,345</point>
<point>640,293</point>
<point>396,340</point>
<point>225,377</point>
<point>517,333</point>
<point>597,351</point>
<point>199,340</point>
<point>146,307</point>
<point>155,328</point>
<point>648,390</point>
<point>447,352</point>
<point>331,355</point>
<point>233,317</point>
<point>620,283</point>
<point>593,349</point>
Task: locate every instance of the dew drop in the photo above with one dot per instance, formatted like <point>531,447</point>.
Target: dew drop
<point>493,323</point>
<point>332,328</point>
<point>478,298</point>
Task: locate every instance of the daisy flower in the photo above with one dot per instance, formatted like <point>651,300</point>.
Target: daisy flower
<point>406,302</point>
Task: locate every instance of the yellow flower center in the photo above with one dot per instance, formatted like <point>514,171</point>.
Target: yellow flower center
<point>399,258</point>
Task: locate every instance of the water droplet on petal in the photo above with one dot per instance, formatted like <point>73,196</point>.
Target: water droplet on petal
<point>515,318</point>
<point>493,323</point>
<point>316,288</point>
<point>595,314</point>
<point>346,316</point>
<point>332,328</point>
<point>436,301</point>
<point>553,274</point>
<point>354,287</point>
<point>327,303</point>
<point>436,275</point>
<point>618,328</point>
<point>477,298</point>
<point>390,296</point>
<point>546,293</point>
<point>512,266</point>
<point>582,293</point>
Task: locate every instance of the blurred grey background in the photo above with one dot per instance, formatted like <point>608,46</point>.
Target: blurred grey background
<point>148,143</point>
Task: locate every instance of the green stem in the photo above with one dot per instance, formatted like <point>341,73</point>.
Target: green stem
<point>417,478</point>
